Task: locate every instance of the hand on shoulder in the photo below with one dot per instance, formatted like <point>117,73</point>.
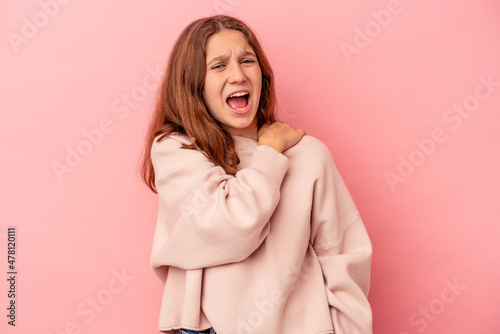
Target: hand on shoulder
<point>279,136</point>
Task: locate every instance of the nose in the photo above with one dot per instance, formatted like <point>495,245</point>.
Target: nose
<point>236,74</point>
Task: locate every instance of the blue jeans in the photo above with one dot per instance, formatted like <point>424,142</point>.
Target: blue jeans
<point>188,331</point>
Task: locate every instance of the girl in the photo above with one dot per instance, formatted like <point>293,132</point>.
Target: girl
<point>256,231</point>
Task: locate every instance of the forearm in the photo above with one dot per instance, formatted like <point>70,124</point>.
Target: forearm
<point>216,218</point>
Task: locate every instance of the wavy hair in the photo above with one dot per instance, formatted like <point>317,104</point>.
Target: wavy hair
<point>180,108</point>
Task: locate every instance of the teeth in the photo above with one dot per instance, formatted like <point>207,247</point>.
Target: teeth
<point>238,94</point>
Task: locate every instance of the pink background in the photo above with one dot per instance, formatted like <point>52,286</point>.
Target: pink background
<point>376,81</point>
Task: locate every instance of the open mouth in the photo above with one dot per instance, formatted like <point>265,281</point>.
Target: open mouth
<point>238,101</point>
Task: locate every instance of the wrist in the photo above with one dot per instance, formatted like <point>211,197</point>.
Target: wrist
<point>276,144</point>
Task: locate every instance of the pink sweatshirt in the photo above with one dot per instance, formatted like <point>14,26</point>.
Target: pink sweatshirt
<point>277,249</point>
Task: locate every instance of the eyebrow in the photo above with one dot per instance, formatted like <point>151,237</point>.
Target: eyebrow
<point>244,54</point>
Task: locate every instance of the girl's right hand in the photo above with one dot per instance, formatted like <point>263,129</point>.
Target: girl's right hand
<point>279,136</point>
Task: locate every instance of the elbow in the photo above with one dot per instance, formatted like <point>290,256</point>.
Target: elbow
<point>248,243</point>
<point>239,242</point>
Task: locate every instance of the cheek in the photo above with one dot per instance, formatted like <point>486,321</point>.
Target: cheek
<point>258,83</point>
<point>257,75</point>
<point>211,93</point>
<point>207,96</point>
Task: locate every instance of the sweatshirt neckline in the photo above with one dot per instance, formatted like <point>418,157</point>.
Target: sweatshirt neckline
<point>242,143</point>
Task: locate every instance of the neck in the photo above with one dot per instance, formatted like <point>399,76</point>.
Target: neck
<point>248,132</point>
<point>251,135</point>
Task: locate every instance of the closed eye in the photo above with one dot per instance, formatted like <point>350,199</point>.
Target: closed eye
<point>216,67</point>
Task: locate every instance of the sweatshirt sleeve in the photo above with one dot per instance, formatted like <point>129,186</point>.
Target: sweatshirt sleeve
<point>207,217</point>
<point>344,250</point>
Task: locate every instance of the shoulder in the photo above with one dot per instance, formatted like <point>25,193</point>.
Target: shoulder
<point>310,147</point>
<point>170,151</point>
<point>312,157</point>
<point>171,145</point>
<point>172,141</point>
<point>314,143</point>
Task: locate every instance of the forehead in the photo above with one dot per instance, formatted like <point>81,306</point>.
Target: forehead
<point>226,41</point>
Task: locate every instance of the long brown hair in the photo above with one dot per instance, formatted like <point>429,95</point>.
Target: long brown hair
<point>180,107</point>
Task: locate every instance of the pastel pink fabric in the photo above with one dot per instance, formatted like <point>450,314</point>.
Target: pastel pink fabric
<point>278,248</point>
